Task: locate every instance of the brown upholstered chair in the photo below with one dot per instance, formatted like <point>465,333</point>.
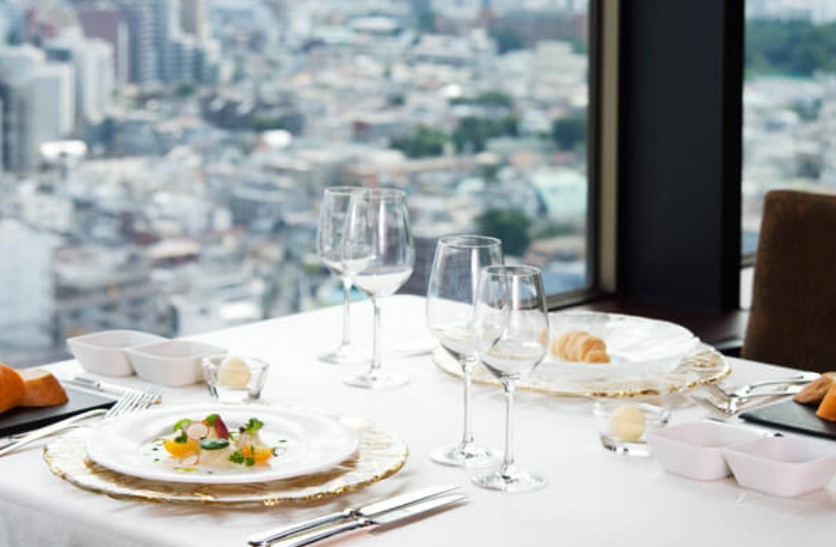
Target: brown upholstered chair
<point>793,317</point>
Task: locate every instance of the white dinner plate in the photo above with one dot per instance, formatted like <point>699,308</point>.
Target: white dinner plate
<point>638,347</point>
<point>309,443</point>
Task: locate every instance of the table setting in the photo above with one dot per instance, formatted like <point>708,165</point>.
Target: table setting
<point>586,428</point>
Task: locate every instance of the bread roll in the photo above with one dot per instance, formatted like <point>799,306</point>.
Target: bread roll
<point>813,393</point>
<point>827,408</point>
<point>41,388</point>
<point>11,388</point>
<point>580,346</point>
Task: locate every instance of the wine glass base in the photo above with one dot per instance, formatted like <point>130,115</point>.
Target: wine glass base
<point>514,481</point>
<point>344,355</point>
<point>376,381</point>
<point>464,456</point>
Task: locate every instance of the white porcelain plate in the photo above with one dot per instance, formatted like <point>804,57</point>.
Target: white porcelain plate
<point>308,442</point>
<point>638,347</point>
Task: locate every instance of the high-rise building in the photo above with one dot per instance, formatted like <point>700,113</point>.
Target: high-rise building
<point>52,89</point>
<point>193,18</point>
<point>142,60</point>
<point>166,27</point>
<point>16,63</point>
<point>92,61</point>
<point>18,145</point>
<point>17,150</point>
<point>27,295</point>
<point>110,25</point>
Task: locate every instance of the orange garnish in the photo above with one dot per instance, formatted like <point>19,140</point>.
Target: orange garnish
<point>181,450</point>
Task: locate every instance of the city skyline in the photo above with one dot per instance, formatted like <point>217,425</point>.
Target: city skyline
<point>186,200</point>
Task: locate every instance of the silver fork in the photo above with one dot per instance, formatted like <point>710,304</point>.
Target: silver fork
<point>794,380</point>
<point>742,395</point>
<point>731,405</point>
<point>131,401</point>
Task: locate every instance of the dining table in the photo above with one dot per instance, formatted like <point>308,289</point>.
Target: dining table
<point>593,496</point>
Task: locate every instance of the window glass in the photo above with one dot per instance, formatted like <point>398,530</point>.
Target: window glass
<point>789,103</point>
<point>163,160</point>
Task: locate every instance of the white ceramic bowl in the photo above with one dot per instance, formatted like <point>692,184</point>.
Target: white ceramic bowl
<point>172,363</point>
<point>103,352</point>
<point>695,450</point>
<point>782,466</point>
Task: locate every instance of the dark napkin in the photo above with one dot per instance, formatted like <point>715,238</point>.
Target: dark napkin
<point>19,420</point>
<point>788,414</point>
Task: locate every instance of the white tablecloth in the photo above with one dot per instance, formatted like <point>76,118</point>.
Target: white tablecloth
<point>593,497</point>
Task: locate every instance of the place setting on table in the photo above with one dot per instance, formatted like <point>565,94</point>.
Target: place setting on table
<point>491,325</point>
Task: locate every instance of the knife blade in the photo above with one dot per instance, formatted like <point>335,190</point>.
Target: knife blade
<point>95,385</point>
<point>385,519</point>
<point>370,510</point>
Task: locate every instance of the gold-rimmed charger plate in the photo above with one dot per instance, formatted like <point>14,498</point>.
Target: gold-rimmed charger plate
<point>705,365</point>
<point>379,455</point>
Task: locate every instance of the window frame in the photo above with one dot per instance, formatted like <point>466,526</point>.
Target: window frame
<point>672,244</point>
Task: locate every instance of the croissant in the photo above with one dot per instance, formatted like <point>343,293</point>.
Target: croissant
<point>580,346</point>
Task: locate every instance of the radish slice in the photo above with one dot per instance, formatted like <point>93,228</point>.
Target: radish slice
<point>196,431</point>
<point>190,460</point>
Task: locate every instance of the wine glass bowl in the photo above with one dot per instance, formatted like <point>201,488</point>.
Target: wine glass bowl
<point>510,320</point>
<point>451,295</point>
<point>379,255</point>
<point>329,240</point>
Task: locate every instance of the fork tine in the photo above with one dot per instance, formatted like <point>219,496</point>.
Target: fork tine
<point>711,405</point>
<point>717,390</point>
<point>139,400</point>
<point>124,404</point>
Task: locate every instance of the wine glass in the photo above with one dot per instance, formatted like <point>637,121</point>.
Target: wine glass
<point>451,296</point>
<point>379,254</point>
<point>329,239</point>
<point>511,328</point>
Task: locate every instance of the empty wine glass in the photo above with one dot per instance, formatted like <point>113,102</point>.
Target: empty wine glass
<point>329,240</point>
<point>379,254</point>
<point>451,296</point>
<point>511,331</point>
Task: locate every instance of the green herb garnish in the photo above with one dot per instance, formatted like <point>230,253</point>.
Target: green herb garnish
<point>211,419</point>
<point>213,444</point>
<point>253,425</point>
<point>181,427</point>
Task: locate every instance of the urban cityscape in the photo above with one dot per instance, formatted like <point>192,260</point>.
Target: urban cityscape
<point>163,160</point>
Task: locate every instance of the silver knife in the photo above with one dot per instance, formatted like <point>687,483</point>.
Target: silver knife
<point>385,519</point>
<point>95,385</point>
<point>370,510</point>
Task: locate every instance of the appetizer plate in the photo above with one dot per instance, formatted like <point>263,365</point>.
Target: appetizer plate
<point>308,442</point>
<point>638,347</point>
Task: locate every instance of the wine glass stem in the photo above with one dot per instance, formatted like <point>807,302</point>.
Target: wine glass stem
<point>346,311</point>
<point>467,375</point>
<point>508,460</point>
<point>375,368</point>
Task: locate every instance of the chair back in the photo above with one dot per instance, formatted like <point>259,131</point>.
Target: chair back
<point>793,316</point>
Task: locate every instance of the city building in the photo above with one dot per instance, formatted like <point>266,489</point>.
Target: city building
<point>111,26</point>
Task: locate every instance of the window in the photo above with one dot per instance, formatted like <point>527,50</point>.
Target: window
<point>789,103</point>
<point>163,160</point>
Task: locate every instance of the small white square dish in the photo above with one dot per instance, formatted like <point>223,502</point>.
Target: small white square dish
<point>694,450</point>
<point>172,363</point>
<point>782,466</point>
<point>103,352</point>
